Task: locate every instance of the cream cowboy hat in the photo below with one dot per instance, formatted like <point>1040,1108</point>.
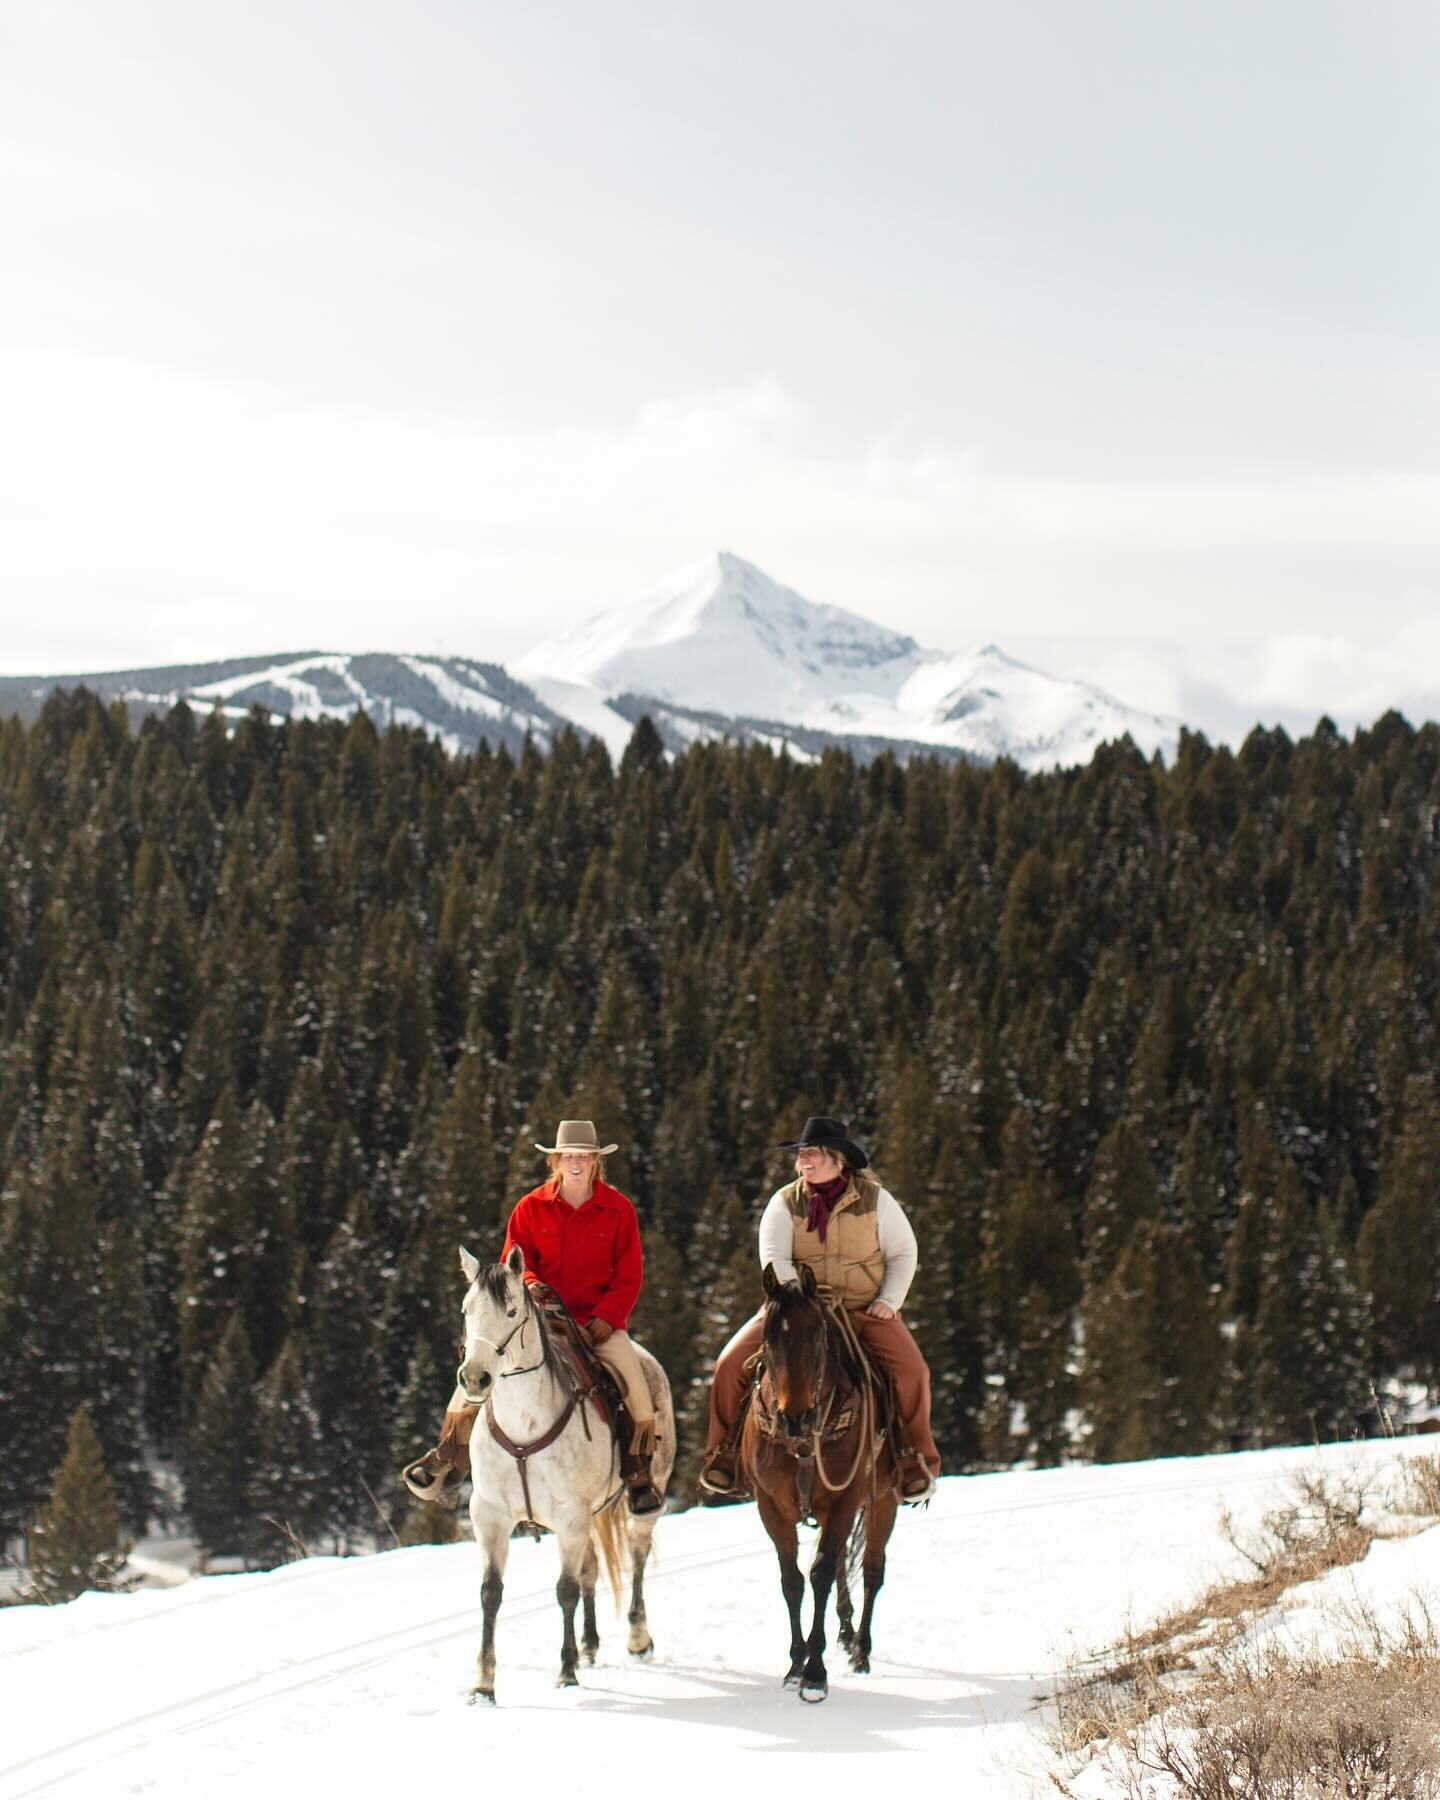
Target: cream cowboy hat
<point>577,1134</point>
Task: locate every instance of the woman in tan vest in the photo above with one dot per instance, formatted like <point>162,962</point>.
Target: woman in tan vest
<point>852,1233</point>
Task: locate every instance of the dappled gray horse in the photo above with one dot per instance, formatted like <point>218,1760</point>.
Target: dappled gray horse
<point>541,1453</point>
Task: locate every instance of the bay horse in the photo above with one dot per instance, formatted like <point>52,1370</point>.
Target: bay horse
<point>812,1447</point>
<point>541,1454</point>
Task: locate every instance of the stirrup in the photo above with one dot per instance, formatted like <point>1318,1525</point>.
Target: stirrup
<point>433,1479</point>
<point>718,1474</point>
<point>645,1498</point>
<point>916,1486</point>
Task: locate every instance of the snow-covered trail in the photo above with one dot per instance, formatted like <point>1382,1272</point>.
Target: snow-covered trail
<point>359,1670</point>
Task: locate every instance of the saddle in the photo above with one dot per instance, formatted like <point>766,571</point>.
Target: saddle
<point>592,1379</point>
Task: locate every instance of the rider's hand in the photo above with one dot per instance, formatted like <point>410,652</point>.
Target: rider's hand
<point>597,1330</point>
<point>877,1309</point>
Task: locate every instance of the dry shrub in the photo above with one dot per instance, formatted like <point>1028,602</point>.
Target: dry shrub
<point>1277,1725</point>
<point>1137,1685</point>
<point>1420,1486</point>
<point>1321,1525</point>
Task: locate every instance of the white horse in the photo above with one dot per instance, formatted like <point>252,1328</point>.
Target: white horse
<point>540,1453</point>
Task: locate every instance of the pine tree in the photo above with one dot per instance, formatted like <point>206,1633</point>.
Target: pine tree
<point>1152,1382</point>
<point>291,1494</point>
<point>1121,1195</point>
<point>75,1542</point>
<point>1399,1243</point>
<point>220,1451</point>
<point>1030,1283</point>
<point>346,1372</point>
<point>237,1243</point>
<point>163,953</point>
<point>121,1358</point>
<point>47,1312</point>
<point>1308,1345</point>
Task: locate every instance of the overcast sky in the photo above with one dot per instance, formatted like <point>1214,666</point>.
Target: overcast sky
<point>1106,332</point>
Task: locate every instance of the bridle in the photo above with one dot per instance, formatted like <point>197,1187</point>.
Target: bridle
<point>504,1344</point>
<point>808,1450</point>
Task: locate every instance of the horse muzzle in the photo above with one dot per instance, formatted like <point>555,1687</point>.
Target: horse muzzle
<point>474,1386</point>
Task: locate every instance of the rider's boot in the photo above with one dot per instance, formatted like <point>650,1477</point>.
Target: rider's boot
<point>720,1470</point>
<point>914,1481</point>
<point>637,1448</point>
<point>437,1475</point>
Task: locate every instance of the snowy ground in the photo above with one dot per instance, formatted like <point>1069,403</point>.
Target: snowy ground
<point>357,1671</point>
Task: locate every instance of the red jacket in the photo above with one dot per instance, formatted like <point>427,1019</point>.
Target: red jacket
<point>589,1254</point>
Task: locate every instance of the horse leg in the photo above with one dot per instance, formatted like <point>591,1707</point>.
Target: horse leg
<point>641,1530</point>
<point>589,1632</point>
<point>844,1607</point>
<point>493,1533</point>
<point>881,1523</point>
<point>829,1557</point>
<point>572,1533</point>
<point>792,1582</point>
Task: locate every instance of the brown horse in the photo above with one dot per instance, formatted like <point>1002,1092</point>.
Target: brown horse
<point>812,1448</point>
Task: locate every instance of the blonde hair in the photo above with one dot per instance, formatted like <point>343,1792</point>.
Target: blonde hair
<point>597,1165</point>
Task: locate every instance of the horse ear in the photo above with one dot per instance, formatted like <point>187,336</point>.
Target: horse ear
<point>515,1261</point>
<point>808,1283</point>
<point>770,1281</point>
<point>469,1265</point>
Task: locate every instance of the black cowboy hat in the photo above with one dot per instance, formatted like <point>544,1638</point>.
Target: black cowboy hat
<point>828,1134</point>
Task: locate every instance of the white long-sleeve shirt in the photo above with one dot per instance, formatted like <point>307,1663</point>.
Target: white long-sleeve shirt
<point>897,1244</point>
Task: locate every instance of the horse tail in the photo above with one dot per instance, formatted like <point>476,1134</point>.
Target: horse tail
<point>612,1540</point>
<point>855,1548</point>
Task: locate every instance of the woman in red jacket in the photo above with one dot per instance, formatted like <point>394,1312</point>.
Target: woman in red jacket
<point>581,1238</point>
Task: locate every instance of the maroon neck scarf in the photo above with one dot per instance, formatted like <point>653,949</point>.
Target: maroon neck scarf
<point>819,1200</point>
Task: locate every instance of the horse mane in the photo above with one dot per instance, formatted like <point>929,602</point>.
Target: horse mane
<point>493,1278</point>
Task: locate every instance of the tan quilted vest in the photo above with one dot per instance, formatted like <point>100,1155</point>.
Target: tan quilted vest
<point>850,1262</point>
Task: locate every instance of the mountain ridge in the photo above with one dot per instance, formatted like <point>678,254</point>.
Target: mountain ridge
<point>716,650</point>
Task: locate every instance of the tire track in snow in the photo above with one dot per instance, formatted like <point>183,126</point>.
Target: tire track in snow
<point>277,1684</point>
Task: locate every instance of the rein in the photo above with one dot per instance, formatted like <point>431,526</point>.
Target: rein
<point>867,1409</point>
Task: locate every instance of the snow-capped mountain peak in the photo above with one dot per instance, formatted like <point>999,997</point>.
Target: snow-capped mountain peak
<point>722,640</point>
<point>722,636</point>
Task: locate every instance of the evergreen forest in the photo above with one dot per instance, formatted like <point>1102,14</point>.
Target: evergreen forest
<point>1147,1053</point>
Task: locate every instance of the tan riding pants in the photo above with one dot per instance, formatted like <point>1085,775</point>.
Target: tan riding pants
<point>887,1342</point>
<point>618,1355</point>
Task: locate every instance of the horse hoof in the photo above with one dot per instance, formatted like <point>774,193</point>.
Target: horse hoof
<point>813,1692</point>
<point>482,1696</point>
<point>589,1656</point>
<point>792,1680</point>
<point>645,1653</point>
<point>860,1663</point>
<point>563,1680</point>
